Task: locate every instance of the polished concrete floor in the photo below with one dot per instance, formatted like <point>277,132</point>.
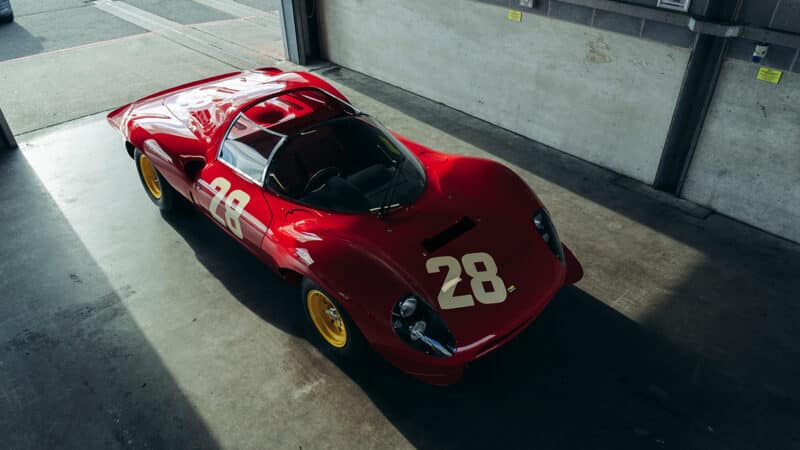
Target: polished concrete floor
<point>120,328</point>
<point>65,59</point>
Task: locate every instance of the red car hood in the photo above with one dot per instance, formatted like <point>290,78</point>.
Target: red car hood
<point>501,207</point>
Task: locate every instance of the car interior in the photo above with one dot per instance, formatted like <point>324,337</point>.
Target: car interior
<point>326,155</point>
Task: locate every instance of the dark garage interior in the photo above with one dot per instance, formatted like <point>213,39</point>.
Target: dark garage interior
<point>662,136</point>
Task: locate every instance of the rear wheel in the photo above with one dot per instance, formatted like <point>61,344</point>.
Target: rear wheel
<point>327,324</point>
<point>157,188</point>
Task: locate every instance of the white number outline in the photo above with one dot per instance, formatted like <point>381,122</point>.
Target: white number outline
<point>447,299</point>
<point>234,205</point>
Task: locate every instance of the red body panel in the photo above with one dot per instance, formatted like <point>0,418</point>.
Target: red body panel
<point>255,219</point>
<point>368,263</point>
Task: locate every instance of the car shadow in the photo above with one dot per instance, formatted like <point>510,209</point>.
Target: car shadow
<point>583,375</point>
<point>243,275</point>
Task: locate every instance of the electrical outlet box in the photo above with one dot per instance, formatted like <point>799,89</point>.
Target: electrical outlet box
<point>760,52</point>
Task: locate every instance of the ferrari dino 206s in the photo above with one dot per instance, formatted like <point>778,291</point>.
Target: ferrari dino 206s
<point>432,259</point>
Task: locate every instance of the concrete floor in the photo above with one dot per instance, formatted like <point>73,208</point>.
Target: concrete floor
<point>120,328</point>
<point>67,59</point>
<point>125,329</point>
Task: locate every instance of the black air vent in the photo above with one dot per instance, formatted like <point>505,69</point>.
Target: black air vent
<point>441,239</point>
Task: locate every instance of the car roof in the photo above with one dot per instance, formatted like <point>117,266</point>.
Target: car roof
<point>208,108</point>
<point>290,112</point>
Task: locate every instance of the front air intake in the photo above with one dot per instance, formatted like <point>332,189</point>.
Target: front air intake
<point>440,240</point>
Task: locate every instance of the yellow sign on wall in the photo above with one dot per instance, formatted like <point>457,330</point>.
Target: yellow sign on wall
<point>514,15</point>
<point>769,75</point>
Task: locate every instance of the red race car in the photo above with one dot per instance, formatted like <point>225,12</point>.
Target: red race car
<point>432,259</point>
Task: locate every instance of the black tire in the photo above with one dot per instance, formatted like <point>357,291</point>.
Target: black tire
<point>7,19</point>
<point>355,345</point>
<point>166,200</point>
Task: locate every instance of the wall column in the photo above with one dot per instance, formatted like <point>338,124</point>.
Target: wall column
<point>696,93</point>
<point>297,29</point>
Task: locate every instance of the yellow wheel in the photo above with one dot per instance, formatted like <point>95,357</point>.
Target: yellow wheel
<point>328,326</point>
<point>157,188</point>
<point>327,318</point>
<point>149,176</point>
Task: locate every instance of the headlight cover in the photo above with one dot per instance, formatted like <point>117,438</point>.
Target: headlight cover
<point>421,327</point>
<point>544,226</point>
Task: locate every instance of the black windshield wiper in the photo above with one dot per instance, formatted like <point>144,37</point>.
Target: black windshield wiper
<point>388,197</point>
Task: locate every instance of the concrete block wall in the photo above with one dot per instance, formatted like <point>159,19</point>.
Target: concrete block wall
<point>576,88</point>
<point>747,161</point>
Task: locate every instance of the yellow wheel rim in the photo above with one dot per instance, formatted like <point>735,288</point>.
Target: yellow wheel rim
<point>149,176</point>
<point>327,318</point>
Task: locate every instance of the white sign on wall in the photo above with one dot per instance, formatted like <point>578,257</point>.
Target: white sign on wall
<point>677,5</point>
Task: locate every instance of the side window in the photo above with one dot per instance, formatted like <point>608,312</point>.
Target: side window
<point>247,147</point>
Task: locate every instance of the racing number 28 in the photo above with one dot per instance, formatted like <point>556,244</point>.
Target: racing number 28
<point>478,283</point>
<point>234,205</point>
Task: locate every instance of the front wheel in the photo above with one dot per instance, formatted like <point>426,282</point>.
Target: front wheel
<point>327,324</point>
<point>157,188</point>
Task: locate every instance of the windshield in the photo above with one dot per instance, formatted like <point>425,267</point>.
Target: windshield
<point>263,127</point>
<point>348,164</point>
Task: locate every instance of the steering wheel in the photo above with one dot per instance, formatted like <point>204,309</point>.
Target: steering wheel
<point>319,176</point>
